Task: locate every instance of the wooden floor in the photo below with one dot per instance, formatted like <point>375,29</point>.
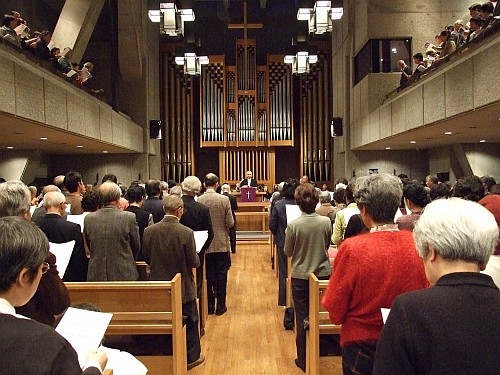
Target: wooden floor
<point>249,338</point>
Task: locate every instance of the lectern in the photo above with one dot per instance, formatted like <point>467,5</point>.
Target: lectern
<point>248,193</point>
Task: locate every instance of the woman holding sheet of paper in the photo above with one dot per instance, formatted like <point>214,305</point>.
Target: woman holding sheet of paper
<point>370,270</point>
<point>28,347</point>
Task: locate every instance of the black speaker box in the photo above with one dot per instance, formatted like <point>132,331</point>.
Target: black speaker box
<point>336,127</point>
<point>154,129</point>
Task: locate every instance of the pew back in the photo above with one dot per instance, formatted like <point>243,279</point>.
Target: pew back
<point>140,308</point>
<point>319,324</point>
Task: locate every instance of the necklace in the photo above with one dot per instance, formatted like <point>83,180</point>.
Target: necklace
<point>384,228</point>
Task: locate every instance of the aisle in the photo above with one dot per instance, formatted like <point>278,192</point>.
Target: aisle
<point>249,338</point>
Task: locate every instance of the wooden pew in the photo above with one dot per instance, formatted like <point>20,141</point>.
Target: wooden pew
<point>141,308</point>
<point>319,324</point>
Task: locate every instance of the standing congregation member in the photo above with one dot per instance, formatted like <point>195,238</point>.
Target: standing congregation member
<point>135,195</point>
<point>73,182</point>
<point>51,297</point>
<point>112,237</point>
<point>197,217</point>
<point>226,191</point>
<point>154,203</point>
<point>371,270</point>
<point>454,326</point>
<point>217,255</point>
<point>277,226</point>
<point>169,248</point>
<point>307,242</point>
<point>28,347</point>
<point>59,230</point>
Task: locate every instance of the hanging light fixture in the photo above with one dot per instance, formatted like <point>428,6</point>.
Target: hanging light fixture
<point>171,19</point>
<point>320,16</point>
<point>192,63</point>
<point>300,55</point>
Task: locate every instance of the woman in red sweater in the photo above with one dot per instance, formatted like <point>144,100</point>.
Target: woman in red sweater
<point>370,270</point>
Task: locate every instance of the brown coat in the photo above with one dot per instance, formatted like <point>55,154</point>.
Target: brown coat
<point>169,248</point>
<point>222,219</point>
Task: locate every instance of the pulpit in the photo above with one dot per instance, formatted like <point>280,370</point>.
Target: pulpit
<point>248,193</point>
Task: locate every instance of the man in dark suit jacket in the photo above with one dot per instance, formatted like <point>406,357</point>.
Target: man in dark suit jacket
<point>248,180</point>
<point>169,248</point>
<point>226,190</point>
<point>28,347</point>
<point>154,203</point>
<point>112,236</point>
<point>452,327</point>
<point>135,196</point>
<point>59,230</point>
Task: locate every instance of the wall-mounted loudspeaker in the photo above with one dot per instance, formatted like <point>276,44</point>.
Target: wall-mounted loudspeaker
<point>155,129</point>
<point>336,127</point>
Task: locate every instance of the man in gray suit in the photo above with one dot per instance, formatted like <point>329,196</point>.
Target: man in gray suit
<point>112,237</point>
<point>217,258</point>
<point>169,248</point>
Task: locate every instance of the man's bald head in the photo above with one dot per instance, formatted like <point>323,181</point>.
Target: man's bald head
<point>109,192</point>
<point>53,199</point>
<point>59,181</point>
<point>49,188</point>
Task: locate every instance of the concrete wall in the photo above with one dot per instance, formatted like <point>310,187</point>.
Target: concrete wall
<point>367,118</point>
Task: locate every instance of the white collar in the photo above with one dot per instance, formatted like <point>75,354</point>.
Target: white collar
<point>7,308</point>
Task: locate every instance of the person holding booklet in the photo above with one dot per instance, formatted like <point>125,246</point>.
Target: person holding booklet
<point>23,249</point>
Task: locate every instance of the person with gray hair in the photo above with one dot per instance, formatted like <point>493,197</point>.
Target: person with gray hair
<point>176,190</point>
<point>15,199</point>
<point>52,297</point>
<point>452,327</point>
<point>40,212</point>
<point>326,208</point>
<point>169,248</point>
<point>226,191</point>
<point>197,217</point>
<point>23,250</point>
<point>59,230</point>
<point>112,237</point>
<point>371,269</point>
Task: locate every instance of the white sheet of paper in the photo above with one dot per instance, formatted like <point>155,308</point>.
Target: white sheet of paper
<point>124,363</point>
<point>71,73</point>
<point>63,252</point>
<point>68,208</point>
<point>78,219</point>
<point>200,237</point>
<point>84,330</point>
<point>292,212</point>
<point>32,209</point>
<point>385,314</point>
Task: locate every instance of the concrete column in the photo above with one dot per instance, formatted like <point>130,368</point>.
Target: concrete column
<point>76,24</point>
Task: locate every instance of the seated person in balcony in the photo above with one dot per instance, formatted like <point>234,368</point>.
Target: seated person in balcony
<point>7,31</point>
<point>431,56</point>
<point>405,74</point>
<point>42,50</point>
<point>65,60</point>
<point>448,46</point>
<point>420,65</point>
<point>85,73</point>
<point>475,29</point>
<point>248,181</point>
<point>486,14</point>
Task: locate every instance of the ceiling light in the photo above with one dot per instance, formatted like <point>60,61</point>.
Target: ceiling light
<point>105,152</point>
<point>10,147</point>
<point>171,19</point>
<point>43,138</point>
<point>448,133</point>
<point>79,146</point>
<point>394,50</point>
<point>387,148</point>
<point>192,63</point>
<point>320,17</point>
<point>482,141</point>
<point>413,142</point>
<point>301,61</point>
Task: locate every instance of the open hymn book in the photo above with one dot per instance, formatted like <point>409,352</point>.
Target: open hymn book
<point>85,330</point>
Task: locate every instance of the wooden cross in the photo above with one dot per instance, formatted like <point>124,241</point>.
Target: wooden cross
<point>245,26</point>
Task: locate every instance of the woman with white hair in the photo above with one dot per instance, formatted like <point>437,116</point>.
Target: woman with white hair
<point>453,327</point>
<point>370,270</point>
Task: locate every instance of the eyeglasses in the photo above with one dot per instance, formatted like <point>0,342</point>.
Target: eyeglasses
<point>45,267</point>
